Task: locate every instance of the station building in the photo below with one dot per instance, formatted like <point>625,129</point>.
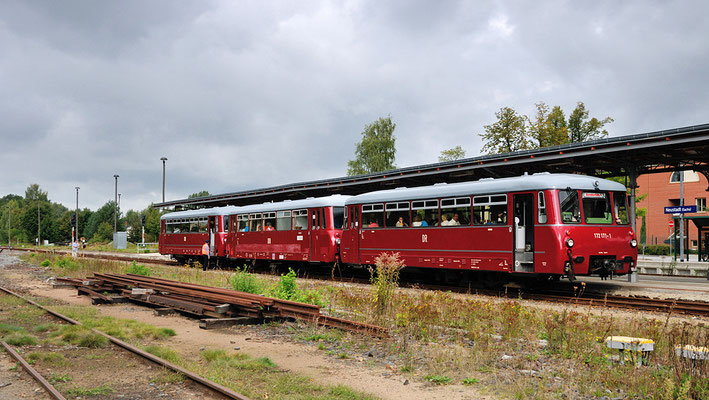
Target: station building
<point>663,190</point>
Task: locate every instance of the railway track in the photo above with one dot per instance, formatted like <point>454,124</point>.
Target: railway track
<point>686,307</point>
<point>213,386</point>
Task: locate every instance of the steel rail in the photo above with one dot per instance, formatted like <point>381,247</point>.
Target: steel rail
<point>205,382</point>
<point>36,375</point>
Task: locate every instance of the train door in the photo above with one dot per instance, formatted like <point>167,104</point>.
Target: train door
<point>212,229</point>
<point>316,220</point>
<point>523,222</point>
<point>350,236</point>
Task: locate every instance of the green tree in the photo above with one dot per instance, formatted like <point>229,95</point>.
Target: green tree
<point>456,153</point>
<point>377,150</point>
<point>103,214</point>
<point>203,193</point>
<point>508,134</point>
<point>548,127</point>
<point>11,215</point>
<point>581,128</point>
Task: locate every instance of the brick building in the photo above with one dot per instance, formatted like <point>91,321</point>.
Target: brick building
<point>662,191</point>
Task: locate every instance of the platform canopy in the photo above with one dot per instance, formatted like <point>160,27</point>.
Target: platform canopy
<point>631,155</point>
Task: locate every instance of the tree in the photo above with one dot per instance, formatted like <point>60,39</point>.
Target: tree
<point>507,134</point>
<point>456,153</point>
<point>548,127</point>
<point>377,150</point>
<point>582,129</point>
<point>203,193</point>
<point>103,214</point>
<point>35,193</point>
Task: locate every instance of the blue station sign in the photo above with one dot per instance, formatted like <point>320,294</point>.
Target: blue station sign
<point>680,209</point>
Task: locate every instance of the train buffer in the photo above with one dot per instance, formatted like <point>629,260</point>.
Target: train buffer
<point>693,352</point>
<point>635,350</point>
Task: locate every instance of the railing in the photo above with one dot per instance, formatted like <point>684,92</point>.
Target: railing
<point>146,247</point>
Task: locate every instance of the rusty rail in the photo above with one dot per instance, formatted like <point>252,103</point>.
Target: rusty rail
<point>205,382</point>
<point>36,375</point>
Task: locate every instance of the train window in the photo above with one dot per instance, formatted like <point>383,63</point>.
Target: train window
<point>397,215</point>
<point>541,208</point>
<point>255,223</point>
<point>194,225</point>
<point>569,205</point>
<point>455,212</point>
<point>300,220</point>
<point>242,222</point>
<point>354,217</point>
<point>202,223</point>
<point>283,221</point>
<point>490,210</point>
<point>338,217</point>
<point>169,227</point>
<point>424,213</point>
<point>372,215</point>
<point>225,222</point>
<point>316,222</point>
<point>269,221</point>
<point>323,220</point>
<point>596,208</point>
<point>620,206</point>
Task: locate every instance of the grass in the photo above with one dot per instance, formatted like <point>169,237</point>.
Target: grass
<point>20,339</point>
<point>438,379</point>
<point>80,391</point>
<point>50,358</point>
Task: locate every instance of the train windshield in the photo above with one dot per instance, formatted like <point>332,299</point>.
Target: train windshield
<point>570,208</point>
<point>338,215</point>
<point>620,205</point>
<point>596,208</point>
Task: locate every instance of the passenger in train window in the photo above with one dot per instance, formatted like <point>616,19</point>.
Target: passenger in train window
<point>455,220</point>
<point>444,220</point>
<point>374,224</point>
<point>246,229</point>
<point>269,227</point>
<point>417,221</point>
<point>400,223</point>
<point>258,227</point>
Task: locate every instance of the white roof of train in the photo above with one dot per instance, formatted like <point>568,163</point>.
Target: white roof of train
<point>336,200</point>
<point>203,212</point>
<point>540,181</point>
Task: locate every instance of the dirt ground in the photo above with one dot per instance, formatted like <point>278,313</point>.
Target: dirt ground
<point>381,381</point>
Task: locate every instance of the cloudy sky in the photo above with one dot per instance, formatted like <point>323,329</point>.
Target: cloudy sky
<point>247,94</point>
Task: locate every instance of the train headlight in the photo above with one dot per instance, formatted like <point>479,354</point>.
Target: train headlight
<point>569,243</point>
<point>337,241</point>
<point>633,243</point>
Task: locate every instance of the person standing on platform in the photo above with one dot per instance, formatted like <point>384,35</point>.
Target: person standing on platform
<point>205,255</point>
<point>75,248</point>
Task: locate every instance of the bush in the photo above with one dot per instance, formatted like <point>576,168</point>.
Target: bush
<point>139,269</point>
<point>245,282</point>
<point>385,279</point>
<point>657,250</point>
<point>286,288</point>
<point>45,263</point>
<point>67,264</point>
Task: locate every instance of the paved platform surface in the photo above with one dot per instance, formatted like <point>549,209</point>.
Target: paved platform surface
<point>689,288</point>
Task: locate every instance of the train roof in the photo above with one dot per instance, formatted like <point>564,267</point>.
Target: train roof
<point>336,200</point>
<point>203,212</point>
<point>539,181</point>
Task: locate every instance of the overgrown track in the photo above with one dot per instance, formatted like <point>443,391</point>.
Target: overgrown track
<point>51,390</point>
<point>190,375</point>
<point>576,297</point>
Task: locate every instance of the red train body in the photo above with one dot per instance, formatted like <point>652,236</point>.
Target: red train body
<point>541,224</point>
<point>183,233</point>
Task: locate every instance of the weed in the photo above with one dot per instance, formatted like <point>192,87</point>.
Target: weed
<point>66,264</point>
<point>50,358</point>
<point>19,339</point>
<point>470,381</point>
<point>7,328</point>
<point>46,327</point>
<point>343,356</point>
<point>407,368</point>
<point>385,279</point>
<point>45,263</point>
<point>213,354</point>
<point>286,288</point>
<point>168,376</point>
<point>438,379</point>
<point>139,269</point>
<point>93,341</point>
<point>164,353</point>
<point>59,378</point>
<point>321,346</point>
<point>245,282</point>
<point>80,391</point>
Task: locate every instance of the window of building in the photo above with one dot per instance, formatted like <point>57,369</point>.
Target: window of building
<point>424,213</point>
<point>455,212</point>
<point>620,206</point>
<point>397,215</point>
<point>596,208</point>
<point>300,220</point>
<point>694,244</point>
<point>372,215</point>
<point>701,204</point>
<point>242,223</point>
<point>541,208</point>
<point>570,207</point>
<point>283,220</point>
<point>689,176</point>
<point>490,210</point>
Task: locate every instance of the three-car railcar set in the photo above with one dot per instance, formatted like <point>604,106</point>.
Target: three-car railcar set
<point>545,225</point>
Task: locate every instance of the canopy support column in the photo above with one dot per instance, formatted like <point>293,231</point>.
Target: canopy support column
<point>633,184</point>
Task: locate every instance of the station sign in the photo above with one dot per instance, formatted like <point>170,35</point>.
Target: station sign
<point>680,209</point>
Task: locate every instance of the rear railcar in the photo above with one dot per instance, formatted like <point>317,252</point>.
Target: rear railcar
<point>183,233</point>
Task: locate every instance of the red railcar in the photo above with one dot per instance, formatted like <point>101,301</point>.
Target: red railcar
<point>300,230</point>
<point>544,224</point>
<point>183,233</point>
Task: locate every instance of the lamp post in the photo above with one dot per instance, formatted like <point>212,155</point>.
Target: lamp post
<point>9,219</point>
<point>119,200</point>
<point>163,177</point>
<point>115,206</point>
<point>77,213</point>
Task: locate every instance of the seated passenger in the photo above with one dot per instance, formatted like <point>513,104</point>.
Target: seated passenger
<point>417,221</point>
<point>444,220</point>
<point>269,227</point>
<point>246,229</point>
<point>454,221</point>
<point>424,223</point>
<point>374,224</point>
<point>400,223</point>
<point>501,218</point>
<point>258,228</point>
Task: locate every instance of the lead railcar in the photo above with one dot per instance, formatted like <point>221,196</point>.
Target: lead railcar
<point>548,225</point>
